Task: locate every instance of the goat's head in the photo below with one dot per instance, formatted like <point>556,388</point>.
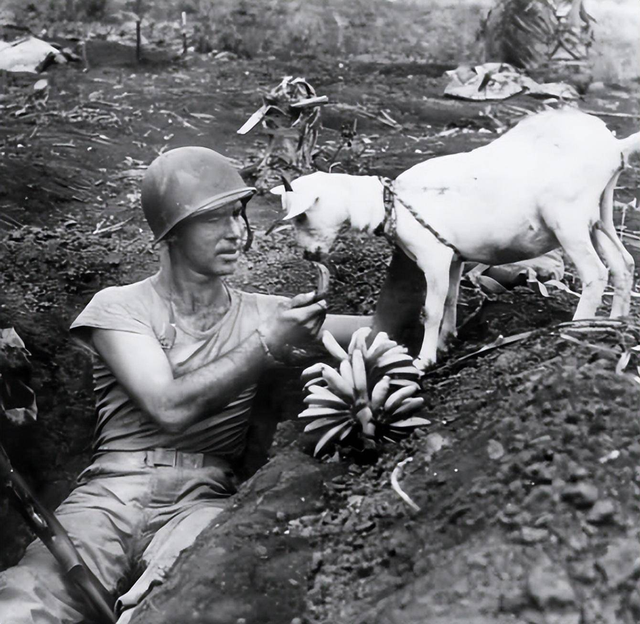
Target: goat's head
<point>315,204</point>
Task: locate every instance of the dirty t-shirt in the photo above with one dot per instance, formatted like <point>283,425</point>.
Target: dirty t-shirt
<point>139,308</point>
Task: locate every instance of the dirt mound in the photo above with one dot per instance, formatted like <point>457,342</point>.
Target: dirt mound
<point>527,486</point>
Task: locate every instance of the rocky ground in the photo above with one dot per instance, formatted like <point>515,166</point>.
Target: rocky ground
<point>526,481</point>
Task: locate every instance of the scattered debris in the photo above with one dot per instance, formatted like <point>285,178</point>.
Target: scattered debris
<point>30,55</point>
<point>17,399</point>
<point>500,341</point>
<point>495,450</point>
<point>548,268</point>
<point>609,457</point>
<point>499,81</point>
<point>383,116</point>
<point>290,114</point>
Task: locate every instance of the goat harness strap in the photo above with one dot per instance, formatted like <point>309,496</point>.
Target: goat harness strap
<point>388,226</point>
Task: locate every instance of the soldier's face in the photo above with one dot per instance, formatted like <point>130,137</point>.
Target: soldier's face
<point>212,242</point>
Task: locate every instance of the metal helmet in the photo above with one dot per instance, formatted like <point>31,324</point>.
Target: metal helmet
<point>187,181</point>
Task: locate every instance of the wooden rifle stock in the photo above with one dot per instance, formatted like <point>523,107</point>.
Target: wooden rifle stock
<point>54,536</point>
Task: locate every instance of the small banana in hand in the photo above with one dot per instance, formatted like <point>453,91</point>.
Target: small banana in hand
<point>323,280</point>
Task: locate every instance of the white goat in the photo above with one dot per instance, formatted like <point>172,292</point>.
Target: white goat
<point>546,183</point>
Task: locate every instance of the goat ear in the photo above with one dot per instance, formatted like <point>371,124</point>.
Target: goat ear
<point>300,208</point>
<point>277,190</point>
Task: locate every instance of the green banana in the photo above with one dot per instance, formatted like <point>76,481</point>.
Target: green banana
<point>337,384</point>
<point>315,381</point>
<point>380,337</point>
<point>329,435</point>
<point>320,412</point>
<point>393,360</point>
<point>346,432</point>
<point>372,387</point>
<point>408,406</point>
<point>346,371</point>
<point>332,346</point>
<point>375,352</point>
<point>403,383</point>
<point>359,340</point>
<point>312,371</point>
<point>322,422</point>
<point>404,372</point>
<point>324,398</point>
<point>414,421</point>
<point>394,400</point>
<point>365,417</point>
<point>359,377</point>
<point>379,394</point>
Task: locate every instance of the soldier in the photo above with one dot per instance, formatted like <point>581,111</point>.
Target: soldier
<point>177,357</point>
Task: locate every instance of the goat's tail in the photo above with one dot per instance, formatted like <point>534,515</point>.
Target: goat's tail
<point>630,145</point>
<point>606,203</point>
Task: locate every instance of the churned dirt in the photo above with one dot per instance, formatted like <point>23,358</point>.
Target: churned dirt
<point>527,481</point>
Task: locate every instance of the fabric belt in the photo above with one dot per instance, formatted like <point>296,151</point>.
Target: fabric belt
<point>164,457</point>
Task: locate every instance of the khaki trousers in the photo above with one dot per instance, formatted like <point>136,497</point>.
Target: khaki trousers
<point>130,520</point>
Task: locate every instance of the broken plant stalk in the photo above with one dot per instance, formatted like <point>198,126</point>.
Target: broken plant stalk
<point>397,474</point>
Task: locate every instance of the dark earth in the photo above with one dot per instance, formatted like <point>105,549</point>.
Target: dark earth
<point>528,479</point>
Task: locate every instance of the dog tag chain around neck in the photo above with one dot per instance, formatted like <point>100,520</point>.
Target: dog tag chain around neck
<point>169,332</point>
<point>213,318</point>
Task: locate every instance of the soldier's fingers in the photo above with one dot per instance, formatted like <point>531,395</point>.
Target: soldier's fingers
<point>303,299</point>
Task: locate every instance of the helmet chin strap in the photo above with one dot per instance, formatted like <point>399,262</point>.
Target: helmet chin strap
<point>249,241</point>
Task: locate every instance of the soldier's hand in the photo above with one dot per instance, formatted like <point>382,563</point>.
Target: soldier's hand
<point>299,320</point>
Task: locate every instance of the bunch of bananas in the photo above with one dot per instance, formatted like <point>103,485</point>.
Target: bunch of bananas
<point>372,391</point>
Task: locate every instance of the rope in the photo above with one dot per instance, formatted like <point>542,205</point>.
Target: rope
<point>388,226</point>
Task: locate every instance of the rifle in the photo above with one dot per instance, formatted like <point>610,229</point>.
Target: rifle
<point>48,528</point>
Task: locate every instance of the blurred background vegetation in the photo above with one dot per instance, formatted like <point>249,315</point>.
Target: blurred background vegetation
<point>431,30</point>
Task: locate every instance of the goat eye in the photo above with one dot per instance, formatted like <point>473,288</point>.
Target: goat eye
<point>301,218</point>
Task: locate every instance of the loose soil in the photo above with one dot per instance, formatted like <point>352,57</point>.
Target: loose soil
<point>527,481</point>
